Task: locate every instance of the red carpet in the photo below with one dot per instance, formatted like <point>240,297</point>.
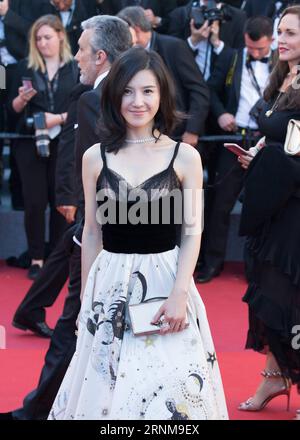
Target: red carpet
<point>21,362</point>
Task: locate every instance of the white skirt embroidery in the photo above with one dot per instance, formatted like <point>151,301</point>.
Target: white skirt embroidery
<point>114,375</point>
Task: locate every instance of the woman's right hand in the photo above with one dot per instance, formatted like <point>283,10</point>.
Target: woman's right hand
<point>245,159</point>
<point>26,95</point>
<point>252,152</point>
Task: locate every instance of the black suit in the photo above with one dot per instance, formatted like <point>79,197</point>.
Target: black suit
<point>17,22</point>
<point>74,26</point>
<point>256,7</point>
<point>272,10</point>
<point>38,403</point>
<point>86,136</point>
<point>192,92</point>
<point>225,84</point>
<point>160,8</point>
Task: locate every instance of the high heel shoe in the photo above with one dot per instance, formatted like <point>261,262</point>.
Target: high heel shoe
<point>285,391</point>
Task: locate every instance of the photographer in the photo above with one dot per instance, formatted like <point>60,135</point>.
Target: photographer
<point>205,37</point>
<point>40,93</point>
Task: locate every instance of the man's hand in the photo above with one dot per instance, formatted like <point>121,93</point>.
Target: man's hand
<point>68,211</point>
<point>227,122</point>
<point>155,21</point>
<point>190,138</point>
<point>215,32</point>
<point>201,34</point>
<point>4,6</point>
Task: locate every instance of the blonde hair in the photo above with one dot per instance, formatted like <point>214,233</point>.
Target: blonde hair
<point>35,60</point>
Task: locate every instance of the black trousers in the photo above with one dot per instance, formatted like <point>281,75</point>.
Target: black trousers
<point>38,183</point>
<point>219,202</point>
<point>37,404</point>
<point>46,288</point>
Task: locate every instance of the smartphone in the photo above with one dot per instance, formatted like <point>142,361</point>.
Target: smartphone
<point>27,84</point>
<point>236,149</point>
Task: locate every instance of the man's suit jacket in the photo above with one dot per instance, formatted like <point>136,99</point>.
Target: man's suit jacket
<point>231,32</point>
<point>86,134</point>
<point>160,8</point>
<point>256,7</point>
<point>272,10</point>
<point>192,93</point>
<point>65,192</point>
<point>74,27</point>
<point>17,22</point>
<point>225,82</point>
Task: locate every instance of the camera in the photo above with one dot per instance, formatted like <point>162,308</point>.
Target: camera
<point>210,13</point>
<point>42,140</point>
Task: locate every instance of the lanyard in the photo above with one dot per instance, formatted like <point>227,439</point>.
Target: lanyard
<point>52,87</point>
<point>253,78</point>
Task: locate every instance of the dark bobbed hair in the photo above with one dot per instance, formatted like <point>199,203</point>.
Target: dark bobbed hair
<point>112,125</point>
<point>291,99</point>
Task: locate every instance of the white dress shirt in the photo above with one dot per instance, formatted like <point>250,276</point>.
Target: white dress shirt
<point>100,78</point>
<point>249,95</point>
<point>204,49</point>
<point>66,16</point>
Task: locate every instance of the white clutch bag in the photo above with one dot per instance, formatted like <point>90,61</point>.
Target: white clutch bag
<point>292,140</point>
<point>141,316</point>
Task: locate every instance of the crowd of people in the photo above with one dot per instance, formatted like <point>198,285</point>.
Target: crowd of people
<point>153,82</point>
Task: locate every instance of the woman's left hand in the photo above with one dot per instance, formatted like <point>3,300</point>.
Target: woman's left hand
<point>174,313</point>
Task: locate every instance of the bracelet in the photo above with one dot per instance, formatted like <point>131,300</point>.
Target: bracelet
<point>62,119</point>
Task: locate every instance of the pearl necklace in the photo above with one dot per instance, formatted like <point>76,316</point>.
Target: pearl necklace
<point>140,141</point>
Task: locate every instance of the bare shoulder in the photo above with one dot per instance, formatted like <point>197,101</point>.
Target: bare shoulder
<point>188,157</point>
<point>92,159</point>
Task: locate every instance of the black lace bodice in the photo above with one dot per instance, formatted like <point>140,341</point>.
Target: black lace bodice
<point>142,219</point>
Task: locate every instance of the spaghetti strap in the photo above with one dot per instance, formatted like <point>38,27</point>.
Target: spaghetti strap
<point>175,154</point>
<point>102,149</point>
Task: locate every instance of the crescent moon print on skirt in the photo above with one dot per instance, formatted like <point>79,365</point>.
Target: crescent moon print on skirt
<point>139,287</point>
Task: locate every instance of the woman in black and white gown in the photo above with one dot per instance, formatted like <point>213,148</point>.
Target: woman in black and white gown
<point>114,374</point>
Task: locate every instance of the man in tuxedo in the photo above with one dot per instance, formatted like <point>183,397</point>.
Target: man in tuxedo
<point>103,39</point>
<point>156,11</point>
<point>236,84</point>
<point>71,13</point>
<point>192,93</point>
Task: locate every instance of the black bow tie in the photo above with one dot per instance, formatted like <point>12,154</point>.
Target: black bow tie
<point>262,60</point>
